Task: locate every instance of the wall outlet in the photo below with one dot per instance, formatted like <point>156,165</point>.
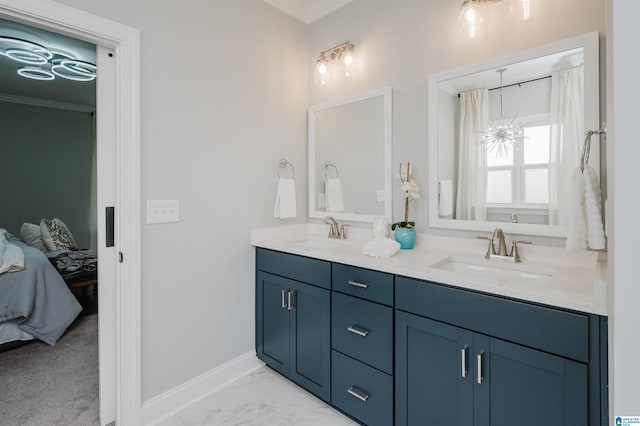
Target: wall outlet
<point>163,211</point>
<point>380,195</point>
<point>322,204</point>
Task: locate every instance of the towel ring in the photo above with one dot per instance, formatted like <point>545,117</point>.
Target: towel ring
<point>329,165</point>
<point>283,163</point>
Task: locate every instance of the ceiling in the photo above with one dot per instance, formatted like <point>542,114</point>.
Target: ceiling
<point>308,11</point>
<point>60,89</point>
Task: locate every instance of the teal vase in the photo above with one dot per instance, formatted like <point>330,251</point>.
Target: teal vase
<point>406,237</point>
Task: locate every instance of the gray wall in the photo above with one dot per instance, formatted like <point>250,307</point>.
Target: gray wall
<point>223,98</point>
<point>45,163</point>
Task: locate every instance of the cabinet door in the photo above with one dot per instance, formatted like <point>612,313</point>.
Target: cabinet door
<point>434,374</point>
<point>310,337</point>
<point>272,322</point>
<point>523,386</point>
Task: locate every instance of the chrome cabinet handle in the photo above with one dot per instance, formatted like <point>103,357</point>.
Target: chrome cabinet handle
<point>463,355</point>
<point>284,301</point>
<point>357,330</point>
<point>358,394</point>
<point>357,284</point>
<point>480,378</point>
<point>289,303</point>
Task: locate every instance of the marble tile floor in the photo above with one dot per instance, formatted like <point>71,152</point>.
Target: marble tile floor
<point>261,398</point>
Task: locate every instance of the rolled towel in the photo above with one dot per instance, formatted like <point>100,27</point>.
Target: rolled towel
<point>334,199</point>
<point>577,233</point>
<point>445,205</point>
<point>381,247</point>
<point>592,201</point>
<point>285,199</point>
<point>11,256</point>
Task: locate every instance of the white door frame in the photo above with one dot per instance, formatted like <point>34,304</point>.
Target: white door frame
<point>125,41</point>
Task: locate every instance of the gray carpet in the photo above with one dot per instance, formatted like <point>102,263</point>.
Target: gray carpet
<point>52,385</point>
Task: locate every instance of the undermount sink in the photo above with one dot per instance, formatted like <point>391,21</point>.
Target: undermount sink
<point>489,269</point>
<point>317,244</point>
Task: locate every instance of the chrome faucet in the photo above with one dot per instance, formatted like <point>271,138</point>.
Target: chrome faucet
<point>335,230</point>
<point>501,253</point>
<point>502,245</point>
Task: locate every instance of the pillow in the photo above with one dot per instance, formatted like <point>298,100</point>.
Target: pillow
<point>30,234</point>
<point>56,235</point>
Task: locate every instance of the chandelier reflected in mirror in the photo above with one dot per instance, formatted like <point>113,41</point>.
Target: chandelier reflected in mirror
<point>504,133</point>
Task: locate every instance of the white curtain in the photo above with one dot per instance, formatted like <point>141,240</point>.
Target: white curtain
<point>471,199</point>
<point>567,130</point>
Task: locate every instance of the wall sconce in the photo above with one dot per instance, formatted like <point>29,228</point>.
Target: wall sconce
<point>471,14</point>
<point>41,63</point>
<point>343,53</point>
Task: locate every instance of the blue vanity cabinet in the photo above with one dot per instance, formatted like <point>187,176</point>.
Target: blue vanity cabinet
<point>293,319</point>
<point>449,375</point>
<point>362,344</point>
<point>466,358</point>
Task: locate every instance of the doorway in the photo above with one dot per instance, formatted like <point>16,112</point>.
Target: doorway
<point>118,139</point>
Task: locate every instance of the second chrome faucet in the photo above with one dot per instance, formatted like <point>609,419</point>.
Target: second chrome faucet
<point>501,253</point>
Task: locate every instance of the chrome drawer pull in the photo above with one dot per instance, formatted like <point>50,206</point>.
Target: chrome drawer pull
<point>289,304</point>
<point>358,394</point>
<point>357,330</point>
<point>284,301</point>
<point>480,378</point>
<point>357,284</point>
<point>464,362</point>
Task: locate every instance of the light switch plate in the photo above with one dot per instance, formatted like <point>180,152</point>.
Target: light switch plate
<point>380,195</point>
<point>163,211</point>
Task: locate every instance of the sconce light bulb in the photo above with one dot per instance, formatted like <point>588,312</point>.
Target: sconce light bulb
<point>470,19</point>
<point>321,72</point>
<point>348,63</point>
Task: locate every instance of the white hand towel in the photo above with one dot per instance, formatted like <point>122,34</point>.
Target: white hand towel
<point>445,206</point>
<point>285,199</point>
<point>592,202</point>
<point>381,247</point>
<point>11,256</point>
<point>333,191</point>
<point>577,236</point>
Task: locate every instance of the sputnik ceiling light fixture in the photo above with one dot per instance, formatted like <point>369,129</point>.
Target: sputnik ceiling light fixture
<point>343,52</point>
<point>503,133</point>
<point>42,63</point>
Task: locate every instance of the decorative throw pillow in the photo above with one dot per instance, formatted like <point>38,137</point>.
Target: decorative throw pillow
<point>56,235</point>
<point>30,234</point>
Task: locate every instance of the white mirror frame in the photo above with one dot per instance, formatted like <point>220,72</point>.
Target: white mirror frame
<point>385,92</point>
<point>589,43</point>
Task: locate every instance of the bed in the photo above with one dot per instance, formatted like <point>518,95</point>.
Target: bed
<point>35,302</point>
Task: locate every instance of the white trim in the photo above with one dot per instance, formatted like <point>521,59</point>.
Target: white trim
<point>126,43</point>
<point>46,103</point>
<point>167,404</point>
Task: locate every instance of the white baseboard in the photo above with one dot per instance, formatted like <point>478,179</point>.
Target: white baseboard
<point>174,400</point>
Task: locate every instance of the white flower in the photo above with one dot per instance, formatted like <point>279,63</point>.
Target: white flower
<point>412,191</point>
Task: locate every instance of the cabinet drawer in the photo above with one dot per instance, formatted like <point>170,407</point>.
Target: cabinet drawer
<point>548,329</point>
<point>299,268</point>
<point>363,330</point>
<point>361,391</point>
<point>371,285</point>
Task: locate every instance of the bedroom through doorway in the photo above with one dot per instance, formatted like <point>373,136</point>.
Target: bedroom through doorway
<point>49,351</point>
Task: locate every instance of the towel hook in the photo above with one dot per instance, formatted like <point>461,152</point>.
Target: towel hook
<point>586,146</point>
<point>328,165</point>
<point>283,163</point>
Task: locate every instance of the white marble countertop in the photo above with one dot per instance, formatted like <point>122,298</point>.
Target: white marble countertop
<point>577,282</point>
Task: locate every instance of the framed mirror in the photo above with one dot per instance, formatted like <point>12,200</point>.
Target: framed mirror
<point>478,179</point>
<point>350,157</point>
